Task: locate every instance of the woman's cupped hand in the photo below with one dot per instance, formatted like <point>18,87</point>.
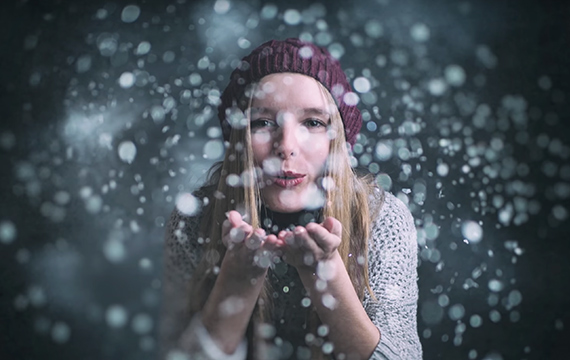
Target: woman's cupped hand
<point>303,247</point>
<point>248,248</point>
<point>308,246</point>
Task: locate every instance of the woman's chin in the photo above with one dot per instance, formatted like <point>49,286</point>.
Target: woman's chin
<point>292,200</point>
<point>289,206</point>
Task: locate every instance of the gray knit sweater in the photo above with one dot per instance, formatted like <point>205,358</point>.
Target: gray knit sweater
<point>392,263</point>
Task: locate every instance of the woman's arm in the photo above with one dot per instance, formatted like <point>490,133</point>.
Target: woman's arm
<point>237,287</point>
<point>385,328</point>
<point>180,258</point>
<point>219,329</point>
<point>392,264</point>
<point>313,251</point>
<point>350,330</point>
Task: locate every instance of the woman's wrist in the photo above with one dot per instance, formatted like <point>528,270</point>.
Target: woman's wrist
<point>324,269</point>
<point>228,309</point>
<point>241,273</point>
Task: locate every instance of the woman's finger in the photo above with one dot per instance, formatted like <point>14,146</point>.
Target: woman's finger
<point>274,244</point>
<point>256,239</point>
<point>307,245</point>
<point>269,251</point>
<point>234,229</point>
<point>240,233</point>
<point>235,218</point>
<point>326,240</point>
<point>287,237</point>
<point>333,226</point>
<point>226,227</point>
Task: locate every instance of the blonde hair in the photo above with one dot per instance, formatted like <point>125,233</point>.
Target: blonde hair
<point>347,201</point>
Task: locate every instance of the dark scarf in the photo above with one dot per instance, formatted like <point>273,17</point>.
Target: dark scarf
<point>273,221</point>
<point>290,316</point>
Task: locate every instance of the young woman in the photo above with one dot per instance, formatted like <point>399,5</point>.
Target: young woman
<point>292,254</point>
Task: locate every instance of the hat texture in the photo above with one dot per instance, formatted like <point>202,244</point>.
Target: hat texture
<point>295,56</point>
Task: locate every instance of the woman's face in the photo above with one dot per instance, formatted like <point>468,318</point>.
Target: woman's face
<point>290,123</point>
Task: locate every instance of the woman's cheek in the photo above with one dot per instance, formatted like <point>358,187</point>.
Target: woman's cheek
<point>271,165</point>
<point>261,138</point>
<point>304,136</point>
<point>321,146</point>
<point>261,145</point>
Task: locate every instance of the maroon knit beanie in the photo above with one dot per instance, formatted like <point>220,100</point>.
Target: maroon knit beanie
<point>295,56</point>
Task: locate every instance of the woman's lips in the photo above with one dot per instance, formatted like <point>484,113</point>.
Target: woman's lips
<point>288,179</point>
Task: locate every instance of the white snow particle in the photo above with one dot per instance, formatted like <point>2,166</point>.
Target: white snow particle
<point>127,80</point>
<point>7,232</point>
<point>130,13</point>
<point>127,151</point>
<point>187,204</point>
<point>472,231</point>
<point>116,316</point>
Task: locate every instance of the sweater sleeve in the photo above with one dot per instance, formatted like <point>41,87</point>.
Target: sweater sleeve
<point>182,337</point>
<point>393,279</point>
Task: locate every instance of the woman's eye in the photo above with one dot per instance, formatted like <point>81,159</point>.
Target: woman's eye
<point>314,123</point>
<point>261,124</point>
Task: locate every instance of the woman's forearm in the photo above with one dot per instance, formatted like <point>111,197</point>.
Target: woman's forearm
<point>229,307</point>
<point>350,329</point>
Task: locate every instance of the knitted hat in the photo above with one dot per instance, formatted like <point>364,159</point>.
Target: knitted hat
<point>295,56</point>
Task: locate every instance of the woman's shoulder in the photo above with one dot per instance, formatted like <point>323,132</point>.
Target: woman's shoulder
<point>183,242</point>
<point>184,224</point>
<point>392,214</point>
<point>386,203</point>
<point>189,206</point>
<point>383,205</point>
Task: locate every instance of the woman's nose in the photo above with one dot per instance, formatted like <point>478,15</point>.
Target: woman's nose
<point>286,144</point>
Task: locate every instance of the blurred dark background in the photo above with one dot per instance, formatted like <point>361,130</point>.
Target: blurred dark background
<point>108,115</point>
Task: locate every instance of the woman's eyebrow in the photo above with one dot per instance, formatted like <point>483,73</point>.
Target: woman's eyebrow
<point>302,111</point>
<point>261,110</point>
<point>315,111</point>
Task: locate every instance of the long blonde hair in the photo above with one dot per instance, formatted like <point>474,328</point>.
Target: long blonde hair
<point>347,201</point>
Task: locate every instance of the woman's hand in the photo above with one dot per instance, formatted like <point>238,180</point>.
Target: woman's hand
<point>249,249</point>
<point>306,247</point>
<point>230,304</point>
